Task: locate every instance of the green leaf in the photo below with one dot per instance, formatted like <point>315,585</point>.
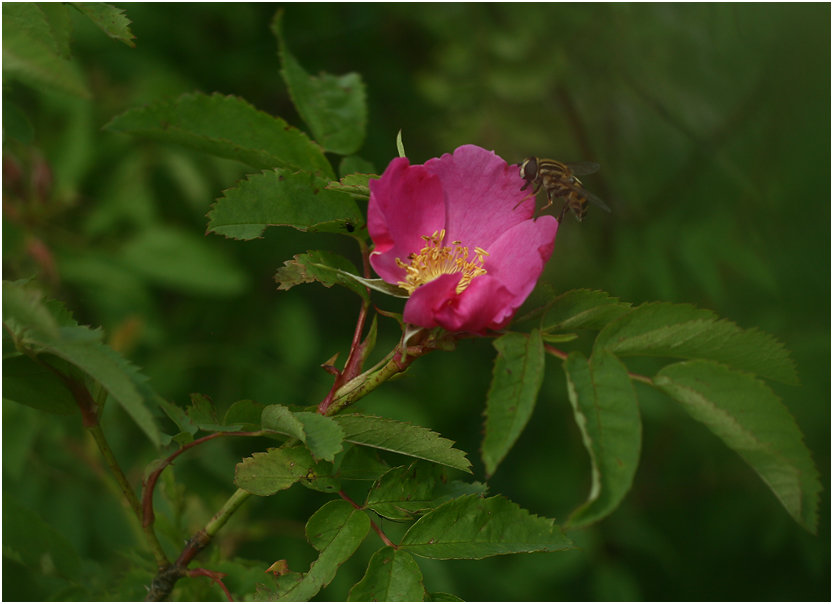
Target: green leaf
<point>225,126</point>
<point>683,331</point>
<point>336,530</point>
<point>321,477</point>
<point>516,380</point>
<point>325,267</point>
<point>334,107</point>
<point>46,328</point>
<point>35,49</point>
<point>203,414</point>
<point>29,383</point>
<point>322,435</point>
<point>118,376</point>
<point>268,472</point>
<point>246,413</point>
<point>25,312</point>
<point>750,418</point>
<point>403,438</point>
<point>60,26</point>
<point>281,419</point>
<point>183,261</point>
<point>473,528</point>
<point>179,417</point>
<point>405,492</point>
<point>109,19</point>
<point>355,185</point>
<point>583,309</point>
<point>280,198</point>
<point>607,413</point>
<point>359,463</point>
<point>391,576</point>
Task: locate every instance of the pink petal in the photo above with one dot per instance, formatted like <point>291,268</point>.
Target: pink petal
<point>406,202</point>
<point>481,192</point>
<point>484,305</point>
<point>518,256</point>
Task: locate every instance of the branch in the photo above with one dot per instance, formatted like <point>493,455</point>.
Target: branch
<point>164,581</point>
<point>146,509</point>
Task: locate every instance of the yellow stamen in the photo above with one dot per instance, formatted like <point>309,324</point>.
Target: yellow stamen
<point>436,259</point>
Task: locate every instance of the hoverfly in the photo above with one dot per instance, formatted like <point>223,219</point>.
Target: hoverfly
<point>560,181</point>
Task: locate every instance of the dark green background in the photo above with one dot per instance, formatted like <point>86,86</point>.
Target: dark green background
<point>712,126</point>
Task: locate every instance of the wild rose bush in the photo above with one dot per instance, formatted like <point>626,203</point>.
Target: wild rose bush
<point>456,249</point>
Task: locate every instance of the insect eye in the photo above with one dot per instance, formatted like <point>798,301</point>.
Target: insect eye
<point>529,168</point>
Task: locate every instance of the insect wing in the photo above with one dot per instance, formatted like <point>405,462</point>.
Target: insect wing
<point>594,199</point>
<point>583,168</point>
<point>591,197</point>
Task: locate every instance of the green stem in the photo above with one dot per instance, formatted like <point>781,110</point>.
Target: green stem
<point>130,496</point>
<point>229,507</point>
<point>367,382</point>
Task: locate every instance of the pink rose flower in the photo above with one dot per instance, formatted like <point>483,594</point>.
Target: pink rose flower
<point>457,234</point>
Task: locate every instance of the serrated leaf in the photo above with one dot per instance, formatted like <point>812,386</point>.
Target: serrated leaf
<point>336,531</point>
<point>471,527</point>
<point>281,198</point>
<point>322,436</point>
<point>391,576</point>
<point>268,472</point>
<point>179,417</point>
<point>246,413</point>
<point>325,267</point>
<point>360,463</point>
<point>25,312</point>
<point>683,331</point>
<point>109,19</point>
<point>35,50</point>
<point>60,26</point>
<point>30,318</point>
<point>355,185</point>
<point>583,309</point>
<point>403,438</point>
<point>405,492</point>
<point>225,126</point>
<point>516,380</point>
<point>321,477</point>
<point>750,419</point>
<point>334,107</point>
<point>281,419</point>
<point>607,414</point>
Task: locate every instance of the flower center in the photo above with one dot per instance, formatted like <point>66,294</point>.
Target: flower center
<point>436,259</point>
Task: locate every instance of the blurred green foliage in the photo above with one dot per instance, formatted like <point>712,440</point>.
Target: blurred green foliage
<point>712,126</point>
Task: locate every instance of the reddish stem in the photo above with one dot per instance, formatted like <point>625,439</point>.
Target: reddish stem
<point>150,483</point>
<point>217,577</point>
<point>375,526</point>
